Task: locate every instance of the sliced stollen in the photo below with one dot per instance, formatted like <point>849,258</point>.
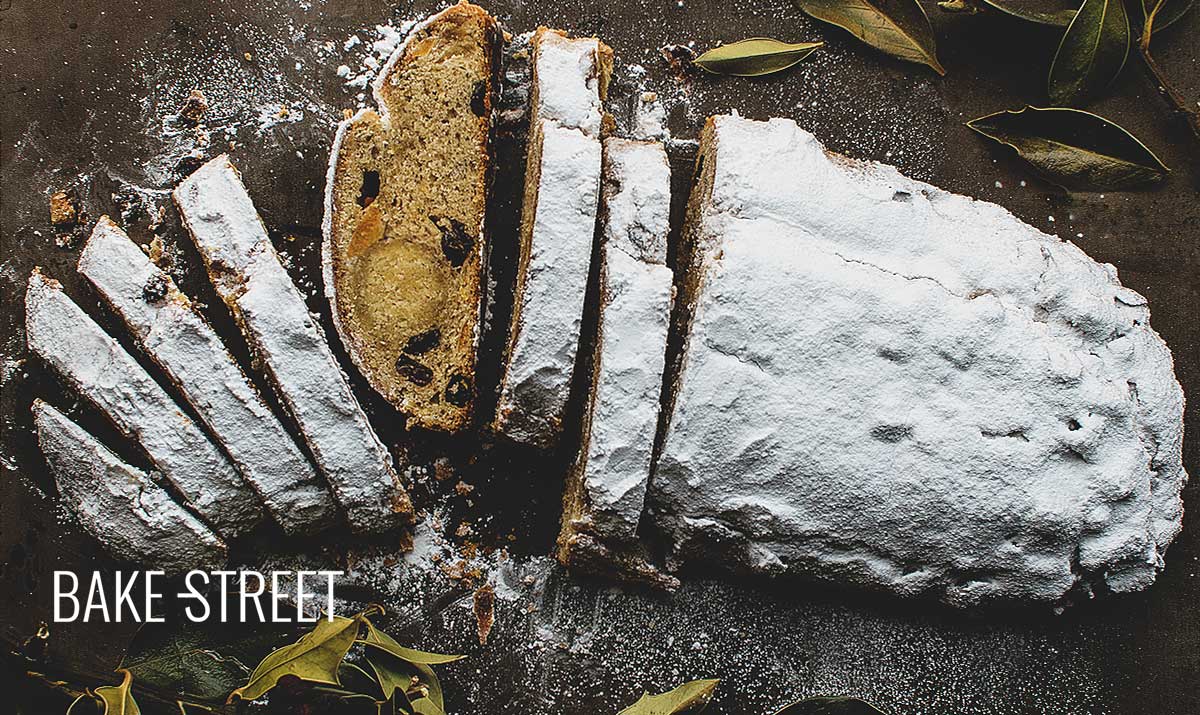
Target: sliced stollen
<point>606,488</point>
<point>405,246</point>
<point>98,368</point>
<point>891,385</point>
<point>121,507</point>
<point>180,341</point>
<point>558,223</point>
<point>269,309</point>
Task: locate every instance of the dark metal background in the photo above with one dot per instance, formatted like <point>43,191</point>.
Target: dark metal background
<point>83,80</point>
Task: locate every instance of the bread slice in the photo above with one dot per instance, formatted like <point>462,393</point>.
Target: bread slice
<point>405,247</point>
<point>606,487</point>
<point>245,269</point>
<point>890,385</point>
<point>179,340</point>
<point>558,222</point>
<point>121,507</point>
<point>98,368</point>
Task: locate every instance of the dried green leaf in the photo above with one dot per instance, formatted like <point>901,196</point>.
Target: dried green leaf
<point>689,697</point>
<point>898,27</point>
<point>315,658</point>
<point>389,672</point>
<point>118,699</point>
<point>830,706</point>
<point>1092,52</point>
<point>378,639</point>
<point>754,57</point>
<point>201,662</point>
<point>429,680</point>
<point>1167,15</point>
<point>1058,13</point>
<point>1075,149</point>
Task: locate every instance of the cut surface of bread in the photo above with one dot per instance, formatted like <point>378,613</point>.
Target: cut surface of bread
<point>98,368</point>
<point>133,518</point>
<point>180,341</point>
<point>405,245</point>
<point>290,345</point>
<point>889,385</point>
<point>606,486</point>
<point>558,223</point>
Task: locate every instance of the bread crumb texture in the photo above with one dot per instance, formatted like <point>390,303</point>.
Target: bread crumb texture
<point>405,241</point>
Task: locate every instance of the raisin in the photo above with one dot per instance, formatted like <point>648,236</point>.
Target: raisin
<point>479,99</point>
<point>456,242</point>
<point>458,391</point>
<point>413,371</point>
<point>369,189</point>
<point>155,288</point>
<point>423,342</point>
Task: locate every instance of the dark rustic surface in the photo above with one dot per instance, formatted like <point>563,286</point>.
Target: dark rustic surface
<point>85,87</point>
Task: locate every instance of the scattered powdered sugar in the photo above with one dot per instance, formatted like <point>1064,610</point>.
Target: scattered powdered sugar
<point>369,58</point>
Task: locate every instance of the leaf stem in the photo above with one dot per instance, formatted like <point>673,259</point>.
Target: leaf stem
<point>1189,111</point>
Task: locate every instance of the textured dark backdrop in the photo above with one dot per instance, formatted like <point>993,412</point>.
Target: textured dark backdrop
<point>85,84</point>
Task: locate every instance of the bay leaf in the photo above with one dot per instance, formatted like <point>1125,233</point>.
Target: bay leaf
<point>830,706</point>
<point>200,662</point>
<point>689,697</point>
<point>436,698</point>
<point>1058,13</point>
<point>118,699</point>
<point>898,27</point>
<point>390,674</point>
<point>754,57</point>
<point>1168,15</point>
<point>378,639</point>
<point>1073,148</point>
<point>315,658</point>
<point>1092,52</point>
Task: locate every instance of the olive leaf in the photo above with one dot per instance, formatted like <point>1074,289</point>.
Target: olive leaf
<point>1092,52</point>
<point>315,657</point>
<point>689,697</point>
<point>118,699</point>
<point>1167,15</point>
<point>830,706</point>
<point>1058,13</point>
<point>378,639</point>
<point>1073,148</point>
<point>898,27</point>
<point>754,57</point>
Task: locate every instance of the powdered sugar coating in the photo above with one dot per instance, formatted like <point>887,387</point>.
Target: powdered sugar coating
<point>121,507</point>
<point>548,312</point>
<point>247,274</point>
<point>182,343</point>
<point>895,386</point>
<point>635,316</point>
<point>568,84</point>
<point>96,365</point>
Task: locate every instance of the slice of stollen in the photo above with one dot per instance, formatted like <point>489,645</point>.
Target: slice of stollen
<point>98,368</point>
<point>558,222</point>
<point>121,507</point>
<point>405,246</point>
<point>890,385</point>
<point>245,270</point>
<point>181,342</point>
<point>606,487</point>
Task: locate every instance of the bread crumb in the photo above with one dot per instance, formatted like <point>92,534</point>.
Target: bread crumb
<point>62,209</point>
<point>194,106</point>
